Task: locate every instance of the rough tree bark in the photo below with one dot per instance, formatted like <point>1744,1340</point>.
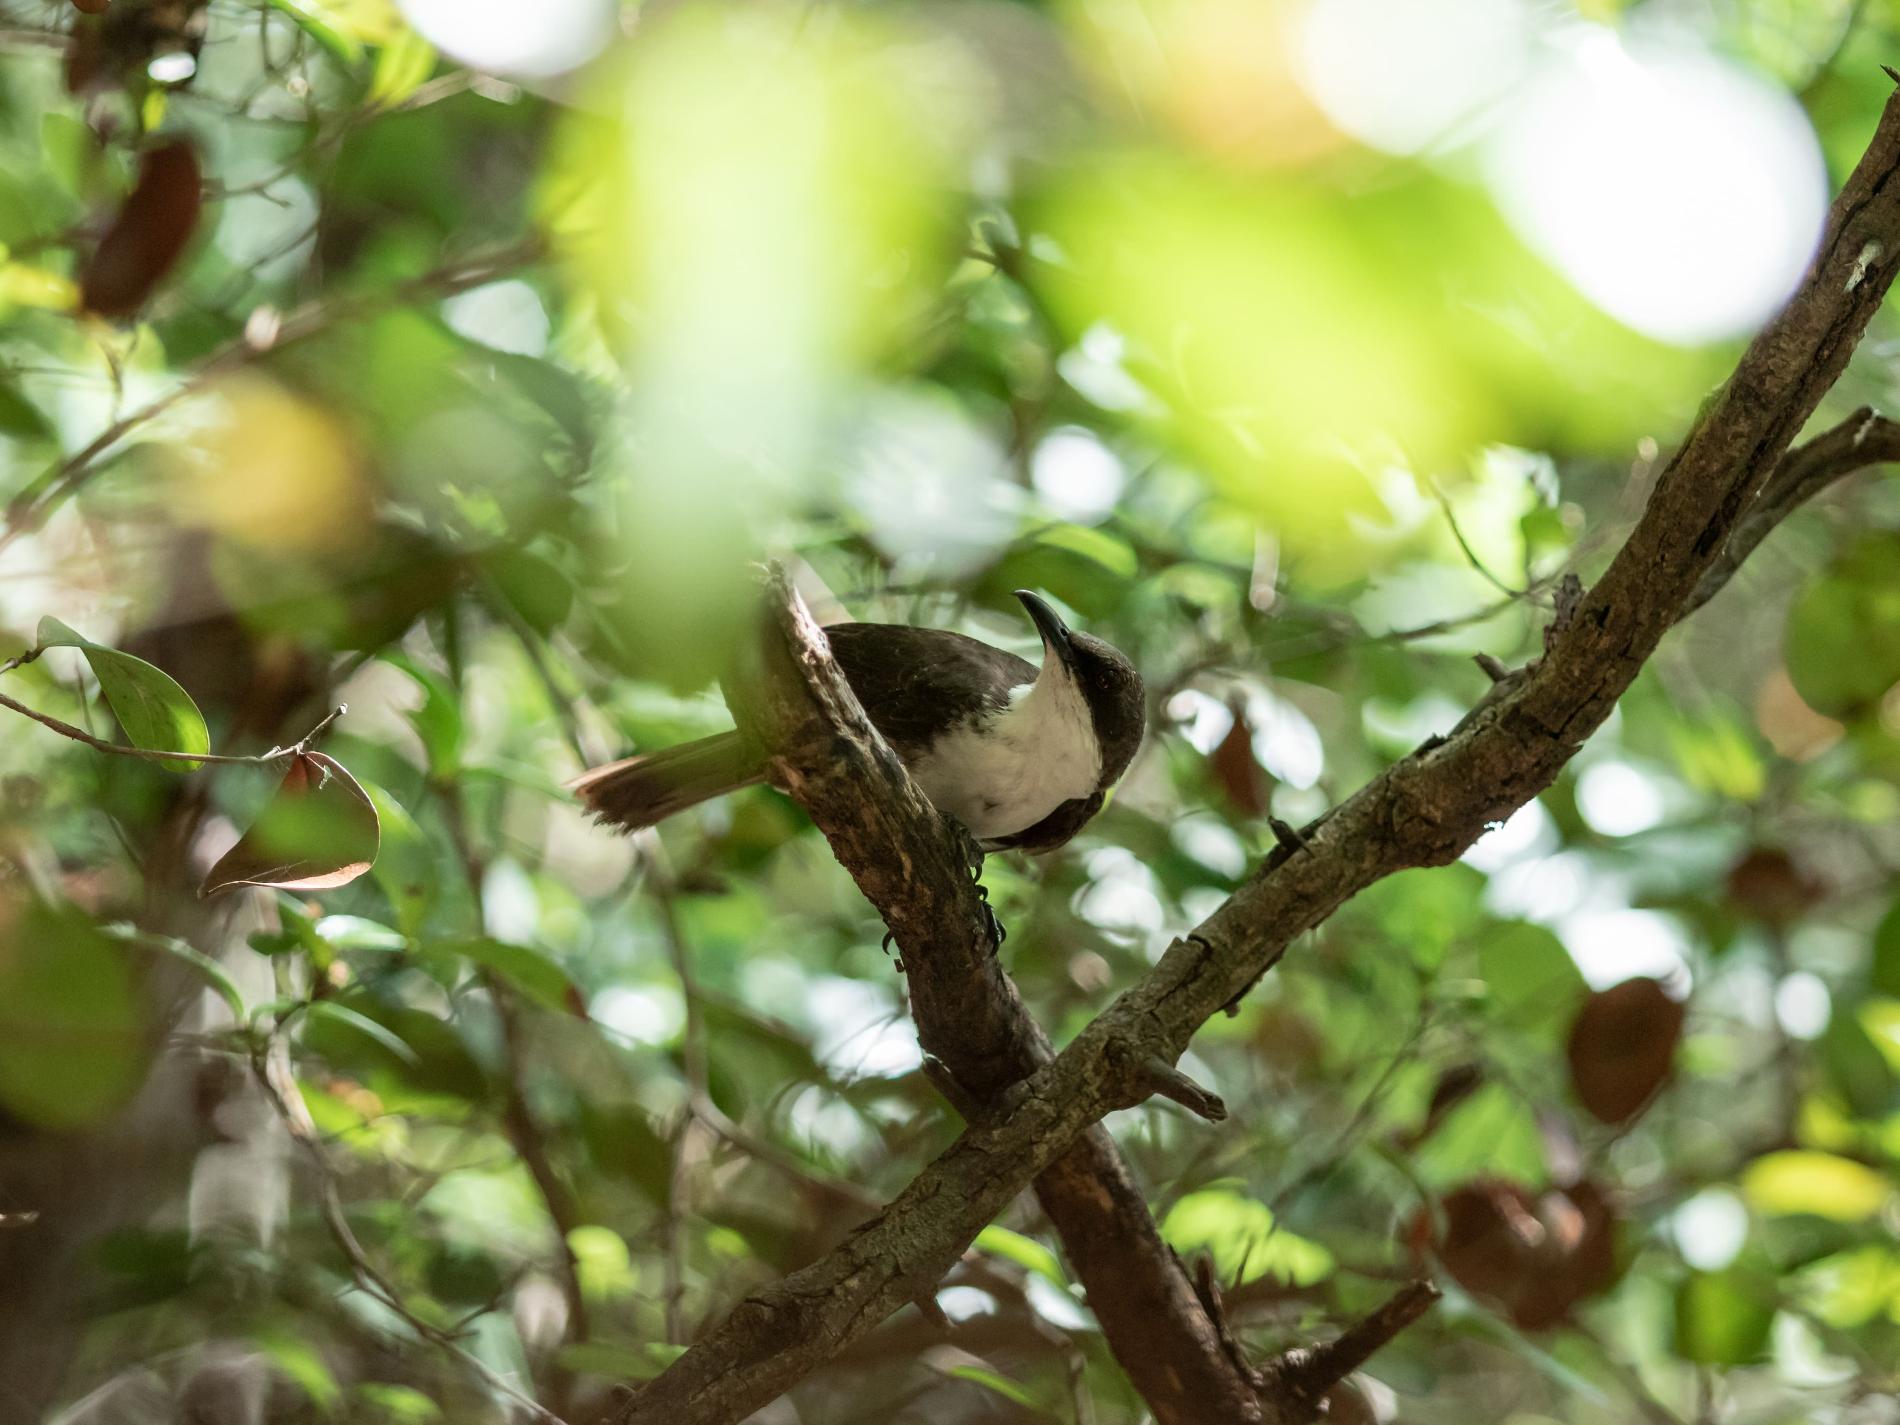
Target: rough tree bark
<point>1727,484</point>
<point>913,865</point>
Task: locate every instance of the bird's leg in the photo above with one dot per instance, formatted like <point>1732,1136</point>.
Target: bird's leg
<point>890,938</point>
<point>973,860</point>
<point>998,934</point>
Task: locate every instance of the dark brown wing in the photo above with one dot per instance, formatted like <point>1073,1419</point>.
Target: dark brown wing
<point>1053,830</point>
<point>916,682</point>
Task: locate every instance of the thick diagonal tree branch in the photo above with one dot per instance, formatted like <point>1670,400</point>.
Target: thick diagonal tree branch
<point>1861,440</point>
<point>913,865</point>
<point>1423,811</point>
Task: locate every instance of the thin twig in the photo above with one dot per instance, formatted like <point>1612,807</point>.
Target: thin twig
<point>688,1138</point>
<point>368,1277</point>
<point>152,754</point>
<point>1471,555</point>
<point>518,1120</point>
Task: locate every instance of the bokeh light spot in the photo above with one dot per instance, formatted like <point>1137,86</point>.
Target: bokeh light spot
<point>1680,194</point>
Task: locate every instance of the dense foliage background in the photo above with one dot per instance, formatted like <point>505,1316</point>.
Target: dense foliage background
<point>453,361</point>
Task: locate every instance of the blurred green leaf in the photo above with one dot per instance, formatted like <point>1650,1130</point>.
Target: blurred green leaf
<point>1842,641</point>
<point>438,722</point>
<point>405,861</point>
<point>1025,1252</point>
<point>19,417</point>
<point>1724,1318</point>
<point>1884,972</point>
<point>991,1380</point>
<point>396,1404</point>
<point>1849,1289</point>
<point>403,63</point>
<point>354,932</point>
<point>604,1263</point>
<point>340,26</point>
<point>71,1042</point>
<point>1533,984</point>
<point>1492,1132</point>
<point>1800,1181</point>
<point>618,1361</point>
<point>1717,755</point>
<point>207,969</point>
<point>329,1009</point>
<point>303,1365</point>
<point>1855,1065</point>
<point>1243,1239</point>
<point>534,973</point>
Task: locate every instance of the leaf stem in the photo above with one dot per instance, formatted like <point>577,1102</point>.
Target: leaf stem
<point>152,754</point>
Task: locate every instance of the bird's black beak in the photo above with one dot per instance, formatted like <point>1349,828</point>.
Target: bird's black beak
<point>1055,633</point>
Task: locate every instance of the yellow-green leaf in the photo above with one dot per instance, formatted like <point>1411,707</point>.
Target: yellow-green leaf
<point>403,65</point>
<point>1244,1240</point>
<point>1723,1318</point>
<point>1025,1252</point>
<point>1822,1184</point>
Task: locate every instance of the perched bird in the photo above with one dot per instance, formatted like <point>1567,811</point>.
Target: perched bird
<point>1022,756</point>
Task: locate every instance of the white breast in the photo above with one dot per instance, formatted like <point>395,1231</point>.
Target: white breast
<point>1007,774</point>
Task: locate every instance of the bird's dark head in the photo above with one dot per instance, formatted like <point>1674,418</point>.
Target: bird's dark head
<point>1109,682</point>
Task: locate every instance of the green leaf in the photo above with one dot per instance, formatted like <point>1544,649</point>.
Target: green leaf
<point>1724,1318</point>
<point>71,1047</point>
<point>1852,1288</point>
<point>301,1364</point>
<point>1104,549</point>
<point>313,21</point>
<point>990,1380</point>
<point>342,1014</point>
<point>19,417</point>
<point>210,970</point>
<point>67,147</point>
<point>404,63</point>
<point>534,587</point>
<point>432,1061</point>
<point>534,973</point>
<point>355,932</point>
<point>406,863</point>
<point>1716,754</point>
<point>1856,1067</point>
<point>155,712</point>
<point>1842,641</point>
<point>1885,972</point>
<point>1025,1252</point>
<point>1821,1184</point>
<point>1293,1259</point>
<point>619,1362</point>
<point>438,722</point>
<point>1239,1234</point>
<point>1492,1132</point>
<point>397,1404</point>
<point>603,1263</point>
<point>1533,984</point>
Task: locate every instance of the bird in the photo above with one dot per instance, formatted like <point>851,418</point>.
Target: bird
<point>1023,757</point>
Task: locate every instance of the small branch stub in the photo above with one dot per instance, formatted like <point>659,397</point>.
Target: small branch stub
<point>1304,1376</point>
<point>1158,1076</point>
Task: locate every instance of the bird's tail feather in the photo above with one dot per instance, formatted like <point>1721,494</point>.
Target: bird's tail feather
<point>644,790</point>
